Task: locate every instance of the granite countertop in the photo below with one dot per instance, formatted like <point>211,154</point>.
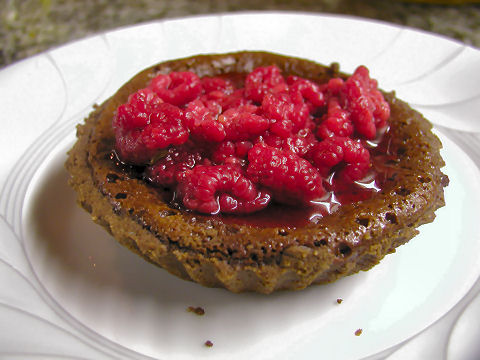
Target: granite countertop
<point>28,27</point>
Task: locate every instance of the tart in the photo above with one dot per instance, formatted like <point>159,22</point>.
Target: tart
<point>285,245</point>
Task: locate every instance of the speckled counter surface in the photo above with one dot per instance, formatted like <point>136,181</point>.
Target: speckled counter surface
<point>28,27</point>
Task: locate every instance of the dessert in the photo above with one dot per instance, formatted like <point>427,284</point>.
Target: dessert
<point>290,183</point>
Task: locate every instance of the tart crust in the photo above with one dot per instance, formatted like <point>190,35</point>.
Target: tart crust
<point>243,257</point>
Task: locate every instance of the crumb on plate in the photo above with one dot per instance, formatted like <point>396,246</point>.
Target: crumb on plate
<point>208,343</point>
<point>196,310</point>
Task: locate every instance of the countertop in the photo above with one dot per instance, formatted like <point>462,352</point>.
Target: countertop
<point>31,26</point>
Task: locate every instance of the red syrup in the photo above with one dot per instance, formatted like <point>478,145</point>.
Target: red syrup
<point>339,193</point>
<point>289,217</point>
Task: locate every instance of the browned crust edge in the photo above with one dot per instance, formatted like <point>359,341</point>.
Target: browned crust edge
<point>198,250</point>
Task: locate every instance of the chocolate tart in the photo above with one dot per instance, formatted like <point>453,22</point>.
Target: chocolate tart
<point>240,256</point>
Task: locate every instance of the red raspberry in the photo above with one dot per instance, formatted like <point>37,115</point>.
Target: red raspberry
<point>214,106</point>
<point>326,154</point>
<point>336,122</point>
<point>164,128</point>
<point>368,108</point>
<point>231,204</point>
<point>234,100</point>
<point>168,170</point>
<point>264,80</point>
<point>282,106</point>
<point>177,88</point>
<point>242,148</point>
<point>381,108</point>
<point>223,151</point>
<point>291,179</point>
<point>281,128</point>
<point>297,144</point>
<point>220,188</point>
<point>216,84</point>
<point>217,93</point>
<point>310,91</point>
<point>135,113</point>
<point>334,86</point>
<point>335,150</point>
<point>130,148</point>
<point>203,123</point>
<point>242,123</point>
<point>231,152</point>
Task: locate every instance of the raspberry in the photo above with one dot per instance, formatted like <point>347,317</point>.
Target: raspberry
<point>282,106</point>
<point>297,144</point>
<point>235,151</point>
<point>336,122</point>
<point>131,149</point>
<point>334,150</point>
<point>281,128</point>
<point>214,85</point>
<point>291,179</point>
<point>334,86</point>
<point>264,80</point>
<point>164,128</point>
<point>368,108</point>
<point>136,112</point>
<point>168,170</point>
<point>310,91</point>
<point>220,188</point>
<point>234,100</point>
<point>223,151</point>
<point>217,93</point>
<point>177,88</point>
<point>230,204</point>
<point>214,106</point>
<point>242,123</point>
<point>242,148</point>
<point>202,123</point>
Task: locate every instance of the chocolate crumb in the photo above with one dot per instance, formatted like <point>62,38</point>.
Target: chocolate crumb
<point>196,310</point>
<point>208,343</point>
<point>358,332</point>
<point>339,301</point>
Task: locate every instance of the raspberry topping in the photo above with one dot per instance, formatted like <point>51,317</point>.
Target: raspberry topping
<point>224,145</point>
<point>141,129</point>
<point>169,169</point>
<point>220,188</point>
<point>202,122</point>
<point>264,80</point>
<point>177,88</point>
<point>292,180</point>
<point>284,107</point>
<point>335,150</point>
<point>242,123</point>
<point>354,105</point>
<point>135,113</point>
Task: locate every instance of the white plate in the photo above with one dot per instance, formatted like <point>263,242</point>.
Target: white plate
<point>68,289</point>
